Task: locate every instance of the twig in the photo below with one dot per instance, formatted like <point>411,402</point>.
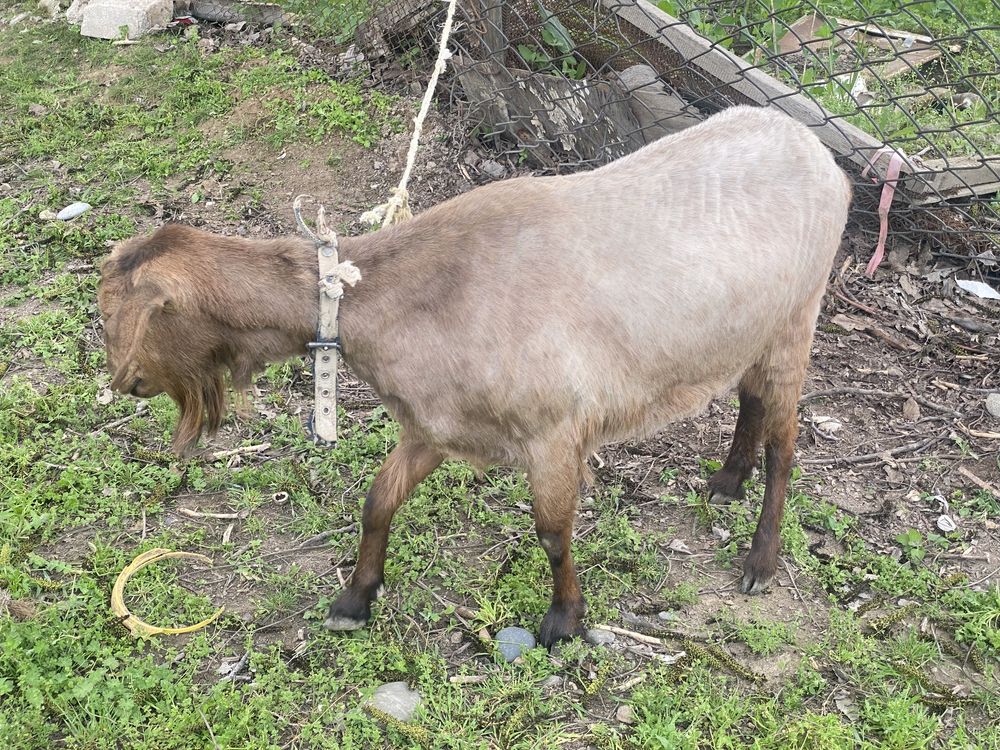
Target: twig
<point>978,434</point>
<point>791,577</point>
<point>324,535</point>
<point>236,668</point>
<point>907,448</point>
<point>467,679</point>
<point>238,451</point>
<point>116,423</point>
<point>208,726</point>
<point>629,684</point>
<point>222,516</point>
<point>980,483</point>
<point>852,391</point>
<point>854,303</point>
<point>641,637</point>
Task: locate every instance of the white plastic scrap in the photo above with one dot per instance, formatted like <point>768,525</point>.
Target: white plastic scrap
<point>978,288</point>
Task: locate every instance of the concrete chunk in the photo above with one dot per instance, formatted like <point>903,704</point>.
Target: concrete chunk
<point>104,19</point>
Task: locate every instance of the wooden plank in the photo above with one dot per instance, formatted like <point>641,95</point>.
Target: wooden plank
<point>725,69</point>
<point>494,39</point>
<point>803,33</point>
<point>959,177</point>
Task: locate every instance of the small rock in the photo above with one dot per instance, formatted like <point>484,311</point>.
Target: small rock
<point>75,13</point>
<point>625,714</point>
<point>993,404</point>
<point>599,637</point>
<point>667,616</point>
<point>37,110</point>
<point>720,533</point>
<point>512,642</point>
<point>47,215</point>
<point>827,425</point>
<point>105,397</point>
<point>397,700</point>
<point>911,409</point>
<point>551,682</point>
<point>492,169</point>
<point>73,210</point>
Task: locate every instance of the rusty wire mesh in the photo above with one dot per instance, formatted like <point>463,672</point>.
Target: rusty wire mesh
<point>559,85</point>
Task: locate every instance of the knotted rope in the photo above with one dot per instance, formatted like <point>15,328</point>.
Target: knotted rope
<point>397,208</point>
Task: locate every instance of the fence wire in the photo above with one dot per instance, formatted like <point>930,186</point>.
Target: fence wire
<point>562,85</point>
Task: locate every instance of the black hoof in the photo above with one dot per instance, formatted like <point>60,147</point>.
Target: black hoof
<point>562,623</point>
<point>725,487</point>
<point>758,571</point>
<point>351,611</point>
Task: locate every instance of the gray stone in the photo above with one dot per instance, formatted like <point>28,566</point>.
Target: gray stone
<point>668,616</point>
<point>993,404</point>
<point>47,215</point>
<point>599,637</point>
<point>512,642</point>
<point>397,700</point>
<point>492,169</point>
<point>625,714</point>
<point>50,6</point>
<point>73,210</point>
<point>104,19</point>
<point>75,13</point>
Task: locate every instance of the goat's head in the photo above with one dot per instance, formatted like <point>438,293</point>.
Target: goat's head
<point>185,310</point>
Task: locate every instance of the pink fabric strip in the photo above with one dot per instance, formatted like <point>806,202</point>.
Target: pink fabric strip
<point>896,161</point>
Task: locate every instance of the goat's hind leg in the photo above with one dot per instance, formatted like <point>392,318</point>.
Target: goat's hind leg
<point>408,464</point>
<point>779,385</point>
<point>727,483</point>
<point>556,488</point>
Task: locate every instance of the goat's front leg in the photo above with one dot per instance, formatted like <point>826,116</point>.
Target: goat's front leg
<point>404,469</point>
<point>556,494</point>
<point>726,484</point>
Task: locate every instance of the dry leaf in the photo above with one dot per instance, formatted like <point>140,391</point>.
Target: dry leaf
<point>678,546</point>
<point>946,524</point>
<point>846,705</point>
<point>911,409</point>
<point>848,322</point>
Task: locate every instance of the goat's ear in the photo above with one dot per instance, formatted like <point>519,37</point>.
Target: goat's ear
<point>145,306</point>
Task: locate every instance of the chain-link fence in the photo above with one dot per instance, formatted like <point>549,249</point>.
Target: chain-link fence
<point>891,87</point>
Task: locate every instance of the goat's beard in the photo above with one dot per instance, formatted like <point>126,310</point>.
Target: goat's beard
<point>202,404</point>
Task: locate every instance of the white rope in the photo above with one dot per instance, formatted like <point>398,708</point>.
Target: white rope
<point>387,212</point>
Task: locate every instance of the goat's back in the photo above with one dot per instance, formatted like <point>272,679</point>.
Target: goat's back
<point>595,306</point>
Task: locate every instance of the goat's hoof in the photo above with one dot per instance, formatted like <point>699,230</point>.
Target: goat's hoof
<point>724,488</point>
<point>343,623</point>
<point>757,575</point>
<point>717,497</point>
<point>352,610</point>
<point>561,624</point>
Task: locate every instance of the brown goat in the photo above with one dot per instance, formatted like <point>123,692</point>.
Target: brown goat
<point>526,323</point>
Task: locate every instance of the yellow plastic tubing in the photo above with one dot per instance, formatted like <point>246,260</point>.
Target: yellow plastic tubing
<point>136,626</point>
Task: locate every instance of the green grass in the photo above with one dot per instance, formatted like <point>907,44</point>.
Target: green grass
<point>81,500</point>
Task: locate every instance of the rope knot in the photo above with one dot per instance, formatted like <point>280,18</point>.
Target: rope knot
<point>343,273</point>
